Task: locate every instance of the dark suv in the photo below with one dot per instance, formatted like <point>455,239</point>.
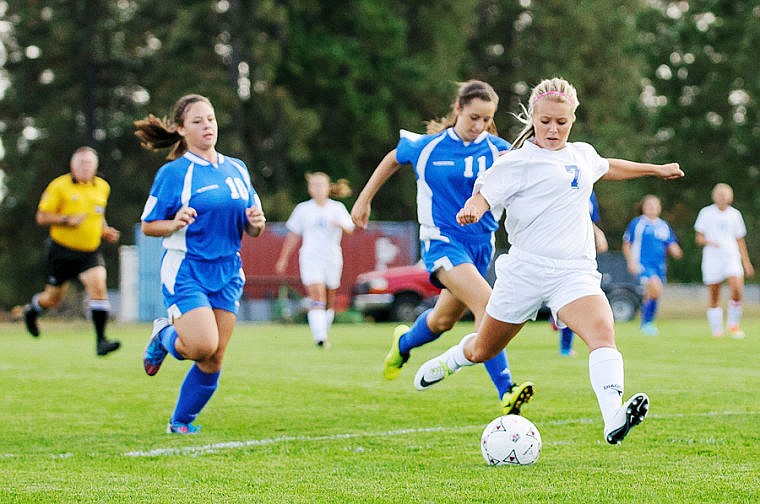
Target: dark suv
<point>623,290</point>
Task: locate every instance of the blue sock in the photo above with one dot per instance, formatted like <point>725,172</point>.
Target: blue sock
<point>565,341</point>
<point>195,391</point>
<point>652,309</point>
<point>168,337</point>
<point>418,335</point>
<point>498,370</point>
<point>647,311</point>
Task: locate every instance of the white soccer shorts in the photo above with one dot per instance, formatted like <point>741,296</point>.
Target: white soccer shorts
<point>524,282</point>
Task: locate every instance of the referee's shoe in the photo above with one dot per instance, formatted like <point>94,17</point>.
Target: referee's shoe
<point>106,346</point>
<point>30,319</point>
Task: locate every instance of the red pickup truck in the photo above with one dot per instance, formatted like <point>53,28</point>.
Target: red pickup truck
<point>397,293</point>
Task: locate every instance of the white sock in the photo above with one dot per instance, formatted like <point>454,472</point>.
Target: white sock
<point>715,319</point>
<point>605,369</point>
<point>454,356</point>
<point>733,314</point>
<point>329,317</point>
<point>316,318</point>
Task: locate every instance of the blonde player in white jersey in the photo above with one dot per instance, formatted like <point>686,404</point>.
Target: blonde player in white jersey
<point>721,231</point>
<point>544,183</point>
<point>320,223</point>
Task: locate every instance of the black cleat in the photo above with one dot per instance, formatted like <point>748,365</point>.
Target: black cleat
<point>30,319</point>
<point>107,346</point>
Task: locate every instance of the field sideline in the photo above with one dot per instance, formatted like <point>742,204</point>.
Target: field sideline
<point>291,423</point>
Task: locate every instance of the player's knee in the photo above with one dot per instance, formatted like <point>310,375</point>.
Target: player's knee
<point>481,353</point>
<point>202,350</point>
<point>440,323</point>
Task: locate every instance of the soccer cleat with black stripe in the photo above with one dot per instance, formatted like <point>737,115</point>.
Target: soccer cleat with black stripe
<point>628,416</point>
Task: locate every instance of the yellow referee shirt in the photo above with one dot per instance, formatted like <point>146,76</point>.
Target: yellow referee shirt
<point>65,196</point>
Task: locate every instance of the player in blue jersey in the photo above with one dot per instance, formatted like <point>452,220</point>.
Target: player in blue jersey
<point>446,162</point>
<point>646,243</point>
<point>600,240</point>
<point>201,202</point>
<point>544,183</point>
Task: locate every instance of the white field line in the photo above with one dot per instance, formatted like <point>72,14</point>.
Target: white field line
<point>237,445</point>
<point>234,445</point>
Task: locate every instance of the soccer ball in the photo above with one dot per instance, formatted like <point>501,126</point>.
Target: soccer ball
<point>510,440</point>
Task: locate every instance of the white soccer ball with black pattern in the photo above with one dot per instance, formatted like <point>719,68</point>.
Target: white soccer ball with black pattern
<point>510,440</point>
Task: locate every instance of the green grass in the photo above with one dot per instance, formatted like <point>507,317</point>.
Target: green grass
<point>290,423</point>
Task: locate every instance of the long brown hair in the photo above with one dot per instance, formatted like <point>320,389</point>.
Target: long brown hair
<point>157,134</point>
<point>339,189</point>
<point>467,92</point>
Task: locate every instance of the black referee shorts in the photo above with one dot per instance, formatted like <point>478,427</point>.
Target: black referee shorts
<point>64,264</point>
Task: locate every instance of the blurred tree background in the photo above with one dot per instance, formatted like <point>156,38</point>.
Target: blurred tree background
<point>310,85</point>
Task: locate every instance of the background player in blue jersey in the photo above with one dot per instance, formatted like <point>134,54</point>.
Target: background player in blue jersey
<point>600,240</point>
<point>646,244</point>
<point>446,162</point>
<point>201,202</point>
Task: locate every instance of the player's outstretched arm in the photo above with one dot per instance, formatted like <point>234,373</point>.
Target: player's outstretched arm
<point>363,205</point>
<point>621,169</point>
<point>473,209</point>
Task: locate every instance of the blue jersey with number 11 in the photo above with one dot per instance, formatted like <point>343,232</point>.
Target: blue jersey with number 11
<point>219,194</point>
<point>446,168</point>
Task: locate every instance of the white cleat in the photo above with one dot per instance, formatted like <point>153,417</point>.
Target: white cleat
<point>628,416</point>
<point>432,372</point>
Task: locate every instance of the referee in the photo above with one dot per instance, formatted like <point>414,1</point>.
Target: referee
<point>74,205</point>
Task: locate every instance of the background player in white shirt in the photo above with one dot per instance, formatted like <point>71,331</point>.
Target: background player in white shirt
<point>201,202</point>
<point>446,163</point>
<point>320,223</point>
<point>544,183</point>
<point>721,231</point>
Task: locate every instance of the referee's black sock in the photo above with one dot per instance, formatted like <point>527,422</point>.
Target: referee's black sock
<point>99,318</point>
<point>99,309</point>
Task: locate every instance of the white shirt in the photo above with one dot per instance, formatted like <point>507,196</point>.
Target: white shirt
<point>722,227</point>
<point>546,195</point>
<point>320,226</point>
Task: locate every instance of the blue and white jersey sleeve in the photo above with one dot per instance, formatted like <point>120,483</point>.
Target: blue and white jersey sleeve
<point>630,230</point>
<point>164,200</point>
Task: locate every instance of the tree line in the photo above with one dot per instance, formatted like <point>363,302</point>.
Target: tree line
<point>303,85</point>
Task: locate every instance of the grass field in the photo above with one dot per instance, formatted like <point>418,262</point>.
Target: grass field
<point>290,423</point>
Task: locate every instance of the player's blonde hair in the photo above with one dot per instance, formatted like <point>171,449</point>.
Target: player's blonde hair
<point>156,134</point>
<point>468,91</point>
<point>339,189</point>
<point>555,89</point>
